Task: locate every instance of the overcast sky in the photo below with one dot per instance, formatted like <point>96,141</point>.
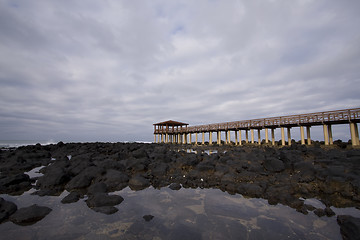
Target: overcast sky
<point>107,70</point>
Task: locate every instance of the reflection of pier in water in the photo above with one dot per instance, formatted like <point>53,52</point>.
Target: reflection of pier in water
<point>178,132</point>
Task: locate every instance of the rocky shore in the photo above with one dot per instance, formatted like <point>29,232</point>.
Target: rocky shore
<point>286,175</point>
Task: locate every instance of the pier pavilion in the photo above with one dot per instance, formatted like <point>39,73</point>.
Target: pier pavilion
<point>178,132</point>
<point>169,132</point>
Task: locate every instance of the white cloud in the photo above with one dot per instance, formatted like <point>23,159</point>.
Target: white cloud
<point>108,70</point>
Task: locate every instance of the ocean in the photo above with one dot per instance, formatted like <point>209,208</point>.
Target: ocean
<point>19,143</point>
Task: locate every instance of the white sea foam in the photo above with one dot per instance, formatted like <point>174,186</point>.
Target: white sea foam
<point>19,143</point>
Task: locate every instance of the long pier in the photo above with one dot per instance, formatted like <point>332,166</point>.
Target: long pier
<point>178,132</point>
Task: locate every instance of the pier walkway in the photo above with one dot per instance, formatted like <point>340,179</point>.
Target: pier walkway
<point>178,132</point>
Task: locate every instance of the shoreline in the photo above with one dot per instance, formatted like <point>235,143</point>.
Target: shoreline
<point>285,175</point>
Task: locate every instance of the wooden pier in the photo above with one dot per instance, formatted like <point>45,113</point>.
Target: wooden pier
<point>181,133</point>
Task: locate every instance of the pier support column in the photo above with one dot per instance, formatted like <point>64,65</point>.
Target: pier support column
<point>236,138</point>
<point>302,135</point>
<point>218,137</point>
<point>166,138</point>
<point>178,138</point>
<point>252,136</point>
<point>226,137</point>
<point>190,140</point>
<point>196,139</point>
<point>289,135</point>
<point>282,136</point>
<point>210,138</point>
<point>266,136</point>
<point>259,137</point>
<point>326,134</point>
<point>308,135</point>
<point>240,140</point>
<point>203,138</point>
<point>331,142</point>
<point>246,136</point>
<point>162,138</point>
<point>229,137</point>
<point>354,134</point>
<point>273,136</point>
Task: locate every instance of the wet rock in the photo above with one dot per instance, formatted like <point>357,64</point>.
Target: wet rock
<point>274,165</point>
<point>103,199</point>
<point>16,184</point>
<point>250,189</point>
<point>84,179</point>
<point>349,227</point>
<point>140,153</point>
<point>29,215</point>
<point>138,182</point>
<point>329,212</point>
<point>106,209</point>
<point>6,209</point>
<point>148,218</point>
<point>95,188</point>
<point>175,186</point>
<point>319,212</point>
<point>115,180</point>
<point>71,197</point>
<point>205,166</point>
<point>159,169</point>
<point>53,177</point>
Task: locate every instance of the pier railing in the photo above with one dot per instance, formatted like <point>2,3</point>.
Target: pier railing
<point>309,119</point>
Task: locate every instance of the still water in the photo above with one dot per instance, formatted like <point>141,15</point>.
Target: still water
<point>183,214</point>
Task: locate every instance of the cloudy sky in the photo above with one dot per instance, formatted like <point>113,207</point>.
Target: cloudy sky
<point>107,70</point>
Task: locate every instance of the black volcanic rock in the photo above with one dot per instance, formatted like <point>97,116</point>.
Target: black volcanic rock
<point>71,197</point>
<point>349,227</point>
<point>15,184</point>
<point>6,209</point>
<point>104,203</point>
<point>139,182</point>
<point>277,174</point>
<point>84,178</point>
<point>175,186</point>
<point>274,165</point>
<point>29,215</point>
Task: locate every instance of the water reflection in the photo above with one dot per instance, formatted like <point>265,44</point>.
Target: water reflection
<point>182,214</point>
<point>33,173</point>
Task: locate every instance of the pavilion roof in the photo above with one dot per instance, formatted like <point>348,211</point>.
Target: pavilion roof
<point>170,123</point>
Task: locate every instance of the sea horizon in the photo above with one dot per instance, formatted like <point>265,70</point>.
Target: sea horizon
<point>20,143</point>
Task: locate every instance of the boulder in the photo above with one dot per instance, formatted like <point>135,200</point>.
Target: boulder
<point>103,199</point>
<point>274,165</point>
<point>105,209</point>
<point>54,177</point>
<point>115,180</point>
<point>148,218</point>
<point>29,215</point>
<point>138,182</point>
<point>140,153</point>
<point>83,179</point>
<point>349,227</point>
<point>175,186</point>
<point>98,187</point>
<point>6,209</point>
<point>71,197</point>
<point>15,184</point>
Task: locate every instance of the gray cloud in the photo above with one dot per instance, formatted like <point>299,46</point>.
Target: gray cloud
<point>106,71</point>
